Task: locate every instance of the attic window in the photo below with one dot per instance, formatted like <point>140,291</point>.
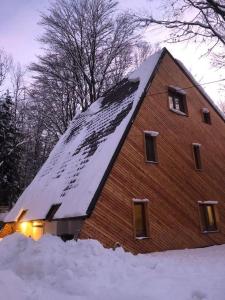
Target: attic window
<point>140,210</point>
<point>21,215</point>
<point>150,146</point>
<point>208,215</point>
<point>177,101</point>
<point>206,117</point>
<point>52,211</point>
<point>197,156</point>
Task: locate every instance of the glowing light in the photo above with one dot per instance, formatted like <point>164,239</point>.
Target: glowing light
<point>37,224</point>
<point>33,229</point>
<point>24,226</point>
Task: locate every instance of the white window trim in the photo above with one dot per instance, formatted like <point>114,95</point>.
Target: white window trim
<point>196,144</point>
<point>208,202</point>
<point>205,110</point>
<point>178,89</point>
<point>139,200</point>
<point>178,111</point>
<point>152,133</point>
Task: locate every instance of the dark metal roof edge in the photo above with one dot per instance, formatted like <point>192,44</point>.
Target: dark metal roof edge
<point>123,138</point>
<point>57,219</point>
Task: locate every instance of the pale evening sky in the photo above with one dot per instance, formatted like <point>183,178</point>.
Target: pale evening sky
<point>19,32</point>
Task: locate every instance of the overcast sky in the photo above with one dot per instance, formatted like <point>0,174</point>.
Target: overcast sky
<point>19,32</point>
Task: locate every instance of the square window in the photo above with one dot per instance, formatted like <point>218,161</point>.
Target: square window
<point>150,146</point>
<point>177,101</point>
<point>140,219</point>
<point>208,217</point>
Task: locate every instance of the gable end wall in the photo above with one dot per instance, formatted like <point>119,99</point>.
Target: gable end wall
<point>173,186</point>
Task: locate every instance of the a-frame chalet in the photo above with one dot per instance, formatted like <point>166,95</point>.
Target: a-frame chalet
<point>143,167</point>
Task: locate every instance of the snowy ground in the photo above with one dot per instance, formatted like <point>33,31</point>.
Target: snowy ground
<point>52,269</point>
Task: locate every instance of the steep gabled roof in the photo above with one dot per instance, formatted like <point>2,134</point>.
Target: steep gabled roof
<point>78,164</point>
<point>77,167</point>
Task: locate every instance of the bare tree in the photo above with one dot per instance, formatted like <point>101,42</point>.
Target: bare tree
<point>5,64</point>
<point>198,20</point>
<point>88,48</point>
<point>18,88</point>
<point>141,52</point>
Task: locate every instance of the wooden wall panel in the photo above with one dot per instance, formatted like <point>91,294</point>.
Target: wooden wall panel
<point>173,186</point>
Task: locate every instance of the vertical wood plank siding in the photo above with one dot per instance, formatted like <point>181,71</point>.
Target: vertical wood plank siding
<point>173,186</point>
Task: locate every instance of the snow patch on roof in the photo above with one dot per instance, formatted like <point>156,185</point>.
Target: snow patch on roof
<point>78,162</point>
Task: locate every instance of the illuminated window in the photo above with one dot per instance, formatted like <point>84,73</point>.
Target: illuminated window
<point>140,219</point>
<point>53,209</point>
<point>150,146</point>
<point>177,101</point>
<point>197,156</point>
<point>206,117</point>
<point>208,217</point>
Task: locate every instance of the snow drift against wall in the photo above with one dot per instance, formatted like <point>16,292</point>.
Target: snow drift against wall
<point>84,270</point>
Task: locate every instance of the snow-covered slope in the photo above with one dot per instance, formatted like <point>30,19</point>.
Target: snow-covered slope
<point>53,270</point>
<point>76,166</point>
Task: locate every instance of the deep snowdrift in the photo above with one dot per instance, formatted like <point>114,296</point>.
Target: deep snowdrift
<point>52,269</point>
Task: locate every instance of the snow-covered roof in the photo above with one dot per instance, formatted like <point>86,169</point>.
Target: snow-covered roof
<point>2,216</point>
<point>77,164</point>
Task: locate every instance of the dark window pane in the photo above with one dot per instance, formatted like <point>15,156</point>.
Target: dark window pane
<point>140,220</point>
<point>177,101</point>
<point>206,117</point>
<point>182,104</point>
<point>150,147</point>
<point>197,156</point>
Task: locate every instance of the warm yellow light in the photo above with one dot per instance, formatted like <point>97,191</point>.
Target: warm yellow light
<point>23,226</point>
<point>37,230</point>
<point>31,229</point>
<point>37,224</point>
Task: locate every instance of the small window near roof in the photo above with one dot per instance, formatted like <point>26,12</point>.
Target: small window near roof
<point>206,117</point>
<point>150,146</point>
<point>177,101</point>
<point>197,156</point>
<point>208,214</point>
<point>140,218</point>
<point>53,209</point>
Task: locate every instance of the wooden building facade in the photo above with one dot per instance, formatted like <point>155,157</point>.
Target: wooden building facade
<point>165,186</point>
<point>174,188</point>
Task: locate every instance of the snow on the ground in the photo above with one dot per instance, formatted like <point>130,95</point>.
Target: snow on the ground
<point>51,269</point>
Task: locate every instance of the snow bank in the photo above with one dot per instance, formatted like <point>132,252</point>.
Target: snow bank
<point>52,269</point>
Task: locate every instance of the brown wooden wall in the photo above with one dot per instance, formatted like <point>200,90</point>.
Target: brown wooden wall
<point>173,186</point>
